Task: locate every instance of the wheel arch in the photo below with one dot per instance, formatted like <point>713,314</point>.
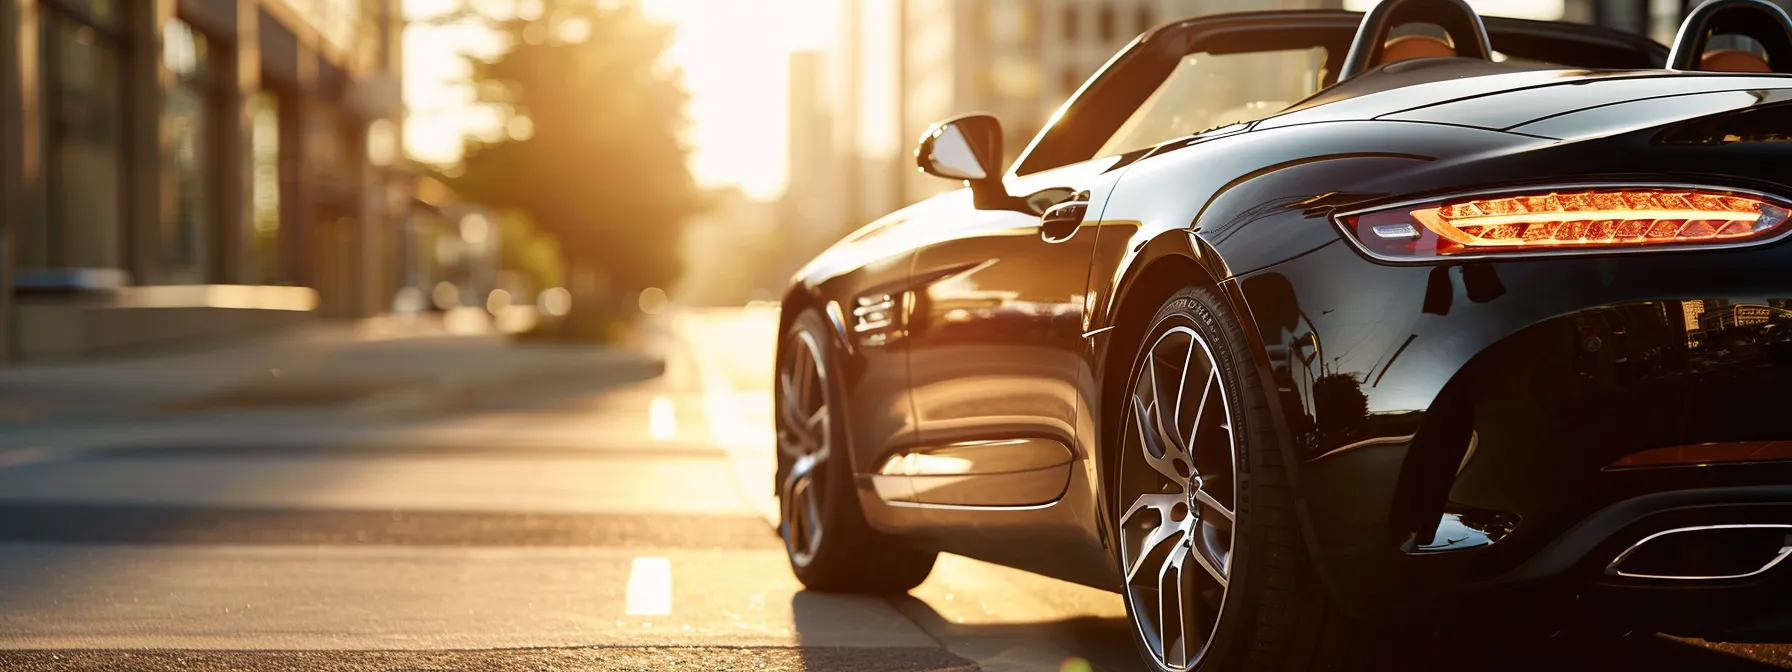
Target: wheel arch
<point>800,298</point>
<point>1162,266</point>
<point>1168,263</point>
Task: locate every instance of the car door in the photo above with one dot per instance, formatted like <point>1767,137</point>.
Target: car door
<point>999,367</point>
<point>994,343</point>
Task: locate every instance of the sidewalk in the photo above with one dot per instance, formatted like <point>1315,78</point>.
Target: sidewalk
<point>382,366</point>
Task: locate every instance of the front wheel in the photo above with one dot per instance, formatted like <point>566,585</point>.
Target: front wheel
<point>830,546</point>
<point>1215,574</point>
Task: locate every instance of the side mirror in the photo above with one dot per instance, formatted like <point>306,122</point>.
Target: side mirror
<point>969,148</point>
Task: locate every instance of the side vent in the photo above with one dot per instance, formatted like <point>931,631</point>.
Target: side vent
<point>873,317</point>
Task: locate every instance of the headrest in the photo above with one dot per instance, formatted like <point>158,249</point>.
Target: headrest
<point>1733,60</point>
<point>1415,46</point>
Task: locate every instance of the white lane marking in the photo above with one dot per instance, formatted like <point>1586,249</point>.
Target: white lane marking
<point>650,587</point>
<point>662,420</point>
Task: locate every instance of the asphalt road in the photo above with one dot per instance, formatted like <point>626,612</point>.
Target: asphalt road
<point>570,528</point>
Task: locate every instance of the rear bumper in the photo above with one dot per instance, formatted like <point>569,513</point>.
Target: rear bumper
<point>1457,426</point>
<point>1569,578</point>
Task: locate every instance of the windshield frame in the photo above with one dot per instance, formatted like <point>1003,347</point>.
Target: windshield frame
<point>1091,116</point>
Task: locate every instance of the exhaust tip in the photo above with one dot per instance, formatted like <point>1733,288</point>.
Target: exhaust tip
<point>1705,553</point>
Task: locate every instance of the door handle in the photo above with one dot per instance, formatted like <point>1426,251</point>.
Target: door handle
<point>1060,221</point>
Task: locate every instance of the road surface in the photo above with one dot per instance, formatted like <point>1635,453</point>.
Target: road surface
<point>568,528</point>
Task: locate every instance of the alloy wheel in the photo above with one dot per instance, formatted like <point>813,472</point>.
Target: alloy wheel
<point>1178,484</point>
<point>803,446</point>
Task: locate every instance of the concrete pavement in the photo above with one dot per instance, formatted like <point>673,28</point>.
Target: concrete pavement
<point>384,367</point>
<point>566,525</point>
<point>518,523</point>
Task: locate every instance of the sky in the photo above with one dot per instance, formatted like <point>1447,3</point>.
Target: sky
<point>734,56</point>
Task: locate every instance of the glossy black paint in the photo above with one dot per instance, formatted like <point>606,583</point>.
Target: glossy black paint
<point>1386,374</point>
<point>995,326</point>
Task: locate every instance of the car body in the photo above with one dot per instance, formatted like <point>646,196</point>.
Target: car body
<point>1503,425</point>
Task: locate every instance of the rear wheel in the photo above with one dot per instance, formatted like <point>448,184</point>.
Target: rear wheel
<point>831,548</point>
<point>1216,577</point>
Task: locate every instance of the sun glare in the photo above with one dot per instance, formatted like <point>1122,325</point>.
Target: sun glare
<point>734,56</point>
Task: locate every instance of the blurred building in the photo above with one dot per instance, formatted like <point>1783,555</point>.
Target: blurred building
<point>743,269</point>
<point>812,211</point>
<point>180,168</point>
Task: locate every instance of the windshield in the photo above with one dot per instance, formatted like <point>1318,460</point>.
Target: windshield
<point>1211,90</point>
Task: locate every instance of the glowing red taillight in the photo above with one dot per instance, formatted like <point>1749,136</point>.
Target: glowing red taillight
<point>1586,220</point>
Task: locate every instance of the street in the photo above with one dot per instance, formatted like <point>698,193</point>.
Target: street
<point>578,524</point>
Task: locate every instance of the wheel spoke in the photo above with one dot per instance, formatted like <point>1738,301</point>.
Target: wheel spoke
<point>801,511</point>
<point>799,517</point>
<point>803,468</point>
<point>802,431</point>
<point>1175,609</point>
<point>1161,450</point>
<point>1181,388</point>
<point>1200,553</point>
<point>1164,528</point>
<point>1214,505</point>
<point>1150,375</point>
<point>800,375</point>
<point>805,436</point>
<point>1194,428</point>
<point>787,395</point>
<point>792,441</point>
<point>792,444</point>
<point>811,517</point>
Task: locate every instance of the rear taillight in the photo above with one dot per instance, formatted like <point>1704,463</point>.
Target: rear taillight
<point>1584,220</point>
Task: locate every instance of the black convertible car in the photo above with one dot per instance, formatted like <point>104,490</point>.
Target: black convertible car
<point>1297,327</point>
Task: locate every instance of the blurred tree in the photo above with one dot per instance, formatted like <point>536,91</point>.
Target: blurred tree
<point>531,253</point>
<point>592,152</point>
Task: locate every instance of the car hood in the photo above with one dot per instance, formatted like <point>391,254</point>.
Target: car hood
<point>1562,104</point>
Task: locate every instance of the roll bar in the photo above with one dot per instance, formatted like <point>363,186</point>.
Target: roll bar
<point>1455,16</point>
<point>1758,19</point>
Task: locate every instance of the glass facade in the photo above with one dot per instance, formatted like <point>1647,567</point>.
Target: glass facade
<point>81,131</point>
<point>161,148</point>
<point>264,196</point>
<point>187,175</point>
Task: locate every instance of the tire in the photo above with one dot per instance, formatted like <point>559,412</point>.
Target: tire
<point>830,546</point>
<point>1261,607</point>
